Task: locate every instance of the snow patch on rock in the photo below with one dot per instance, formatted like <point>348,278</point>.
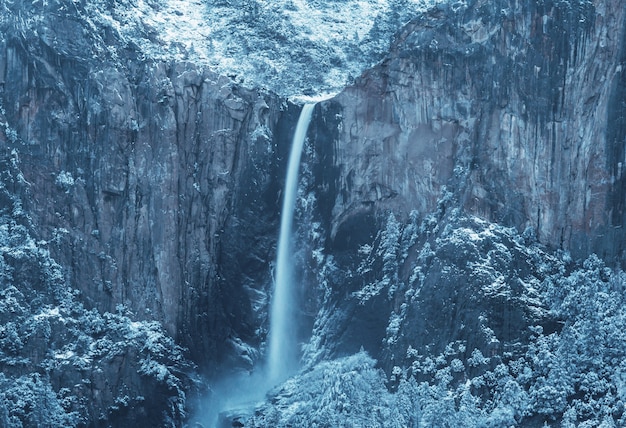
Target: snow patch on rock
<point>292,47</point>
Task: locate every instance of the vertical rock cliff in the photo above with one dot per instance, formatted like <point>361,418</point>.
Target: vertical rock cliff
<point>461,183</point>
<point>450,203</point>
<point>516,107</point>
<point>152,183</point>
<point>507,111</point>
<point>150,165</point>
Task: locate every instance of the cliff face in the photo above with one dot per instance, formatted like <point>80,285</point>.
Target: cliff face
<point>489,128</point>
<point>143,168</point>
<point>508,111</point>
<point>154,183</point>
<point>516,107</point>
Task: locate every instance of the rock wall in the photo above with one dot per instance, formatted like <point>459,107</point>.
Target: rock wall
<point>516,106</point>
<point>510,113</point>
<point>155,184</point>
<point>145,170</point>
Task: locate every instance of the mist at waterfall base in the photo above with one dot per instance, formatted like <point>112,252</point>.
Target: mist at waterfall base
<point>235,395</point>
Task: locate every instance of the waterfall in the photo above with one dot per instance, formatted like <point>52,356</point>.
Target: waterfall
<point>282,352</point>
<point>235,395</point>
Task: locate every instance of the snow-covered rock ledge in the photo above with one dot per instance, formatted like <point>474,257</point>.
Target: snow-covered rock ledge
<point>291,47</point>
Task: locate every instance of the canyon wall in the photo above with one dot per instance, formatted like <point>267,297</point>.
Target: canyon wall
<point>509,113</point>
<point>153,182</point>
<point>516,107</point>
<point>489,128</point>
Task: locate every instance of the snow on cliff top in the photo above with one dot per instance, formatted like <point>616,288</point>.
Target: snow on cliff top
<point>292,47</point>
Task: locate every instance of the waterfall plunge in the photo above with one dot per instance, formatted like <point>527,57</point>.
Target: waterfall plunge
<point>282,353</point>
<point>235,395</point>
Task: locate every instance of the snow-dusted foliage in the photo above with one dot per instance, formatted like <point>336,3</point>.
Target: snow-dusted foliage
<point>65,181</point>
<point>292,47</point>
<point>347,392</point>
<point>54,353</point>
<point>30,401</point>
<point>485,328</point>
<point>571,378</point>
<point>387,249</point>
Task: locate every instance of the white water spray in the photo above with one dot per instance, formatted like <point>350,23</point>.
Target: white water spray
<point>236,395</point>
<point>282,353</point>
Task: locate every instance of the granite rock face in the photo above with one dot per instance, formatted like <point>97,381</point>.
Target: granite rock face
<point>63,364</point>
<point>491,127</point>
<point>517,107</point>
<point>151,167</point>
<point>490,137</point>
<point>153,184</point>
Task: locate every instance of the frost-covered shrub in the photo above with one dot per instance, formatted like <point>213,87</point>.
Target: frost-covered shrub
<point>65,181</point>
<point>384,256</point>
<point>580,369</point>
<point>346,392</point>
<point>29,401</point>
<point>573,377</point>
<point>477,358</point>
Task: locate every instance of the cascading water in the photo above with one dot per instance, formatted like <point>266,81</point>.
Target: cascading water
<point>282,353</point>
<point>234,396</point>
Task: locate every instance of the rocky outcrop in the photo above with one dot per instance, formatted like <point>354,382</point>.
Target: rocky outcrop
<point>516,106</point>
<point>155,185</point>
<point>149,173</point>
<point>62,364</point>
<point>490,127</point>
